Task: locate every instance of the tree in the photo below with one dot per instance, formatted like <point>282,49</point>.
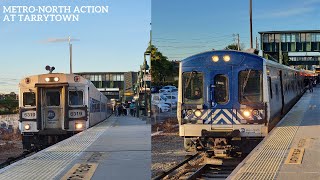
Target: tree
<point>161,67</point>
<point>234,47</point>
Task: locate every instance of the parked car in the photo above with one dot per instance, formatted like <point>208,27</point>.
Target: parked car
<point>172,100</point>
<point>157,98</point>
<point>163,107</point>
<point>167,89</point>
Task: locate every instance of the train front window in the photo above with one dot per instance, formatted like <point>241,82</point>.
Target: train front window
<point>221,93</point>
<point>192,87</point>
<point>250,86</point>
<point>75,98</point>
<point>29,99</point>
<point>53,98</point>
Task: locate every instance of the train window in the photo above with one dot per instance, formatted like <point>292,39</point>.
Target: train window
<point>221,93</point>
<point>53,98</point>
<point>270,87</point>
<point>250,86</point>
<point>192,87</point>
<point>29,99</point>
<point>75,98</point>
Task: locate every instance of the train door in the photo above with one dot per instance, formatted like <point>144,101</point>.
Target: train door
<point>52,104</point>
<point>221,99</point>
<point>282,91</point>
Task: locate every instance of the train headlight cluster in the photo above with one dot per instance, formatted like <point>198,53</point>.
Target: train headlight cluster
<point>27,127</point>
<point>226,58</point>
<point>51,79</point>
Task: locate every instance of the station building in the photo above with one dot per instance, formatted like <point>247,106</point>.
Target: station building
<point>115,85</point>
<point>295,48</point>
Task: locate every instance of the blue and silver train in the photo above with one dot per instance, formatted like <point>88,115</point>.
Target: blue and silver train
<point>229,100</point>
<point>55,106</point>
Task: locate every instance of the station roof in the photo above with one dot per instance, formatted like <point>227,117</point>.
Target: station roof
<point>290,31</point>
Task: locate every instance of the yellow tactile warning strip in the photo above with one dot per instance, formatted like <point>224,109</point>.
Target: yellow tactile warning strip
<point>265,162</point>
<point>295,156</point>
<point>81,171</point>
<point>50,162</point>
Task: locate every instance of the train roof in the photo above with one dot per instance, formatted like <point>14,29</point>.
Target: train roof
<point>236,58</point>
<point>53,78</point>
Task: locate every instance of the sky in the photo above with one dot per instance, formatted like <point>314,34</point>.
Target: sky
<point>181,28</point>
<point>109,42</point>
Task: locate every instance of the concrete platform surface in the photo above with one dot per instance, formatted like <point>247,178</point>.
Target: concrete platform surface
<point>292,149</point>
<point>118,148</point>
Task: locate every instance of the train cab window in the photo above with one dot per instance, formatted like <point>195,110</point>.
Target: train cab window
<point>29,99</point>
<point>75,98</point>
<point>221,93</point>
<point>192,87</point>
<point>53,98</point>
<point>250,86</point>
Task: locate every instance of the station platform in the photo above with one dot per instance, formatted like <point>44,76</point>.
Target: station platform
<point>292,149</point>
<point>118,148</point>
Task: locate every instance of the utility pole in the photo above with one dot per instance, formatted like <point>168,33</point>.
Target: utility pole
<point>257,44</point>
<point>251,41</point>
<point>70,52</point>
<point>237,40</point>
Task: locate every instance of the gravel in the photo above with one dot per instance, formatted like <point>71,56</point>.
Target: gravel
<point>167,147</point>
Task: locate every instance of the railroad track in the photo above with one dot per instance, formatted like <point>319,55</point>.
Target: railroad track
<point>11,160</point>
<point>209,171</point>
<point>200,167</point>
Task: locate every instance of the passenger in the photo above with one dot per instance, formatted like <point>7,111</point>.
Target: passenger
<point>124,110</point>
<point>310,85</point>
<point>119,108</point>
<point>132,109</point>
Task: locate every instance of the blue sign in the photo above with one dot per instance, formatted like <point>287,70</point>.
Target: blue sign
<point>51,114</point>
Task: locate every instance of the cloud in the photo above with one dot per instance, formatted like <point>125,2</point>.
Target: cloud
<point>286,13</point>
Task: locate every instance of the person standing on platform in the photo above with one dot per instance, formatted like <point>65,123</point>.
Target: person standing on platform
<point>310,85</point>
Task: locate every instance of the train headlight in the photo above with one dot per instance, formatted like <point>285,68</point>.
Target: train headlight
<point>255,112</point>
<point>47,79</point>
<point>79,125</point>
<point>215,58</point>
<point>56,79</point>
<point>226,58</point>
<point>246,113</point>
<point>27,126</point>
<point>197,113</point>
<point>189,112</point>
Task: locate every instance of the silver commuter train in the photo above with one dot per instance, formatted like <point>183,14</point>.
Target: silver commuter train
<point>229,100</point>
<point>55,106</point>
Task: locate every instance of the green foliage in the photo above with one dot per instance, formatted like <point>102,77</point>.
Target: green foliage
<point>232,47</point>
<point>161,68</point>
<point>10,104</point>
<point>285,59</point>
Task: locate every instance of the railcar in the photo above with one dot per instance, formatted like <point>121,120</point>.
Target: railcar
<point>55,106</point>
<point>229,100</point>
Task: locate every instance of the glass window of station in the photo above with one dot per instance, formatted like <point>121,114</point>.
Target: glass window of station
<point>108,80</point>
<point>291,42</point>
